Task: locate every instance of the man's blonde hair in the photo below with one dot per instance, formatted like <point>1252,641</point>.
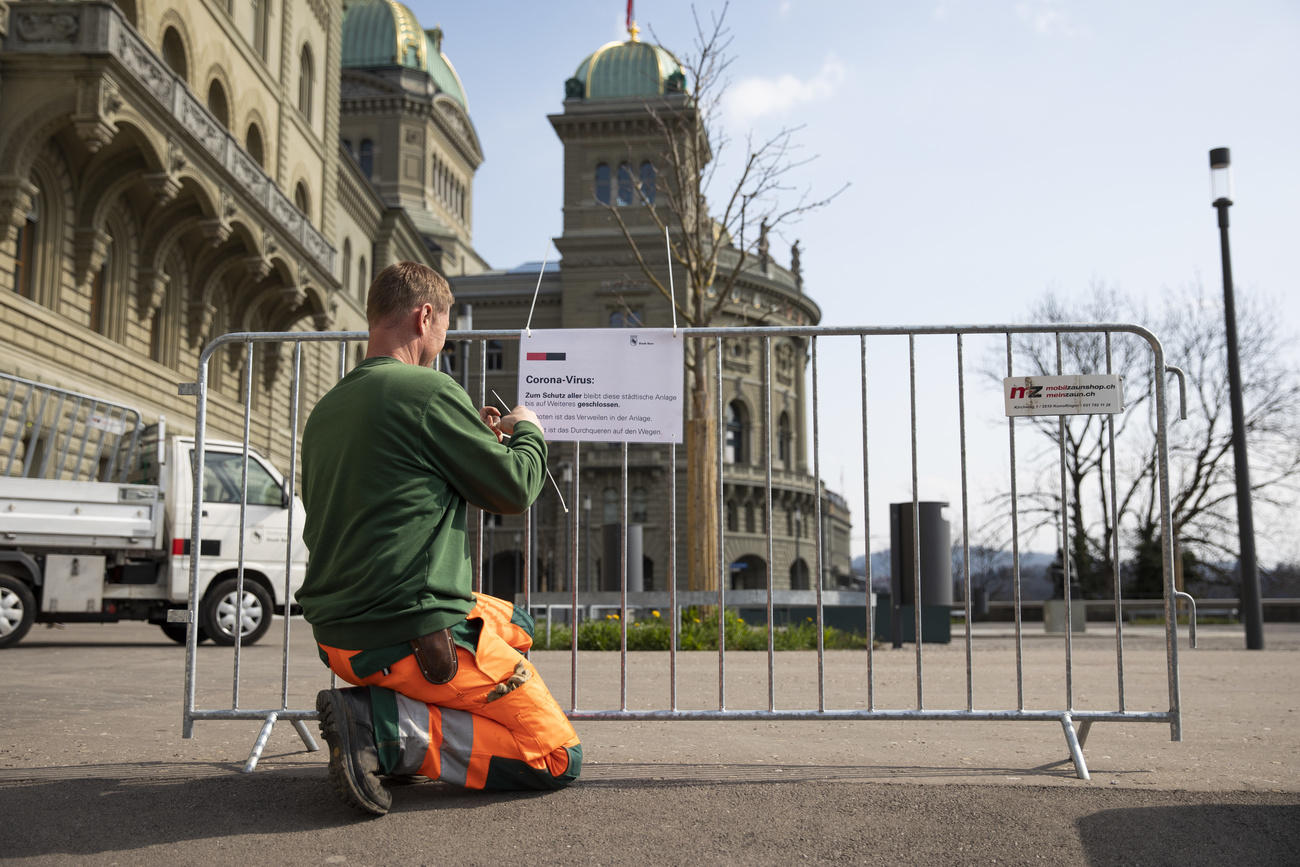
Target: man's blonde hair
<point>404,286</point>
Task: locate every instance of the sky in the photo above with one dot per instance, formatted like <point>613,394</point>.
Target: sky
<point>995,150</point>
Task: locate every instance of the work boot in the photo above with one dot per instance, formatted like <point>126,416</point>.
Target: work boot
<point>354,764</point>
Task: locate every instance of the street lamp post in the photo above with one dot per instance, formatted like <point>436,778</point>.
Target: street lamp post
<point>1252,609</point>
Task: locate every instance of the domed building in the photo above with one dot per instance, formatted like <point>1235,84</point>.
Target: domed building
<point>616,106</point>
<point>405,120</point>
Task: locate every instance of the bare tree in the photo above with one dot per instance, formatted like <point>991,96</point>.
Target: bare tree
<point>710,248</point>
<point>1202,487</point>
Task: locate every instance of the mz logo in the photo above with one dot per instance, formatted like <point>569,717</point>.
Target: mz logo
<point>633,339</point>
<point>1026,391</point>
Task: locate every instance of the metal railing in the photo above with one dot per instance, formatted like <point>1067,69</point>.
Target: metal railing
<point>710,343</point>
<point>54,433</point>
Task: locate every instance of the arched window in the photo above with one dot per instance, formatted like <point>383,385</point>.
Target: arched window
<point>495,356</point>
<point>253,142</point>
<point>609,506</point>
<point>363,278</point>
<point>783,442</point>
<point>749,517</point>
<point>300,198</point>
<point>637,511</point>
<point>648,181</point>
<point>173,51</point>
<point>602,184</point>
<point>306,81</point>
<point>25,248</point>
<point>799,575</point>
<point>737,448</point>
<point>733,523</point>
<point>217,103</point>
<point>625,185</point>
<point>367,158</point>
<point>347,266</point>
<point>99,291</point>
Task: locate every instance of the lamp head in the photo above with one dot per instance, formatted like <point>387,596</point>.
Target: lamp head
<point>1220,176</point>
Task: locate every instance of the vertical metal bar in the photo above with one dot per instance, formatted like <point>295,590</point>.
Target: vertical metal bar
<point>622,570</point>
<point>866,523</point>
<point>85,439</point>
<point>817,522</point>
<point>916,526</point>
<point>61,462</point>
<point>130,451</point>
<point>767,520</point>
<point>18,431</point>
<point>53,443</point>
<point>675,619</point>
<point>99,447</point>
<point>722,537</point>
<point>1114,547</point>
<point>1167,530</point>
<point>578,552</point>
<point>343,358</point>
<point>295,393</point>
<point>196,527</point>
<point>35,438</point>
<point>965,526</point>
<point>482,401</point>
<point>1065,550</point>
<point>195,544</point>
<point>1015,551</point>
<point>4,422</point>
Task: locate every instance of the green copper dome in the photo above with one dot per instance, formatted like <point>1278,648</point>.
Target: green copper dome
<point>627,69</point>
<point>387,33</point>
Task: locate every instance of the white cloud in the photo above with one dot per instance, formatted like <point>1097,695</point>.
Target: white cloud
<point>750,98</point>
<point>1048,17</point>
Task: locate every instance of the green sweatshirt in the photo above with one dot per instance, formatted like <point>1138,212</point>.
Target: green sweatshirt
<point>390,457</point>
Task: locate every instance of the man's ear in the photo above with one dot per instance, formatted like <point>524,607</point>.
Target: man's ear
<point>423,318</point>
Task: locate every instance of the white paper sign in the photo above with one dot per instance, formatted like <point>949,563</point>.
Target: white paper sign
<point>604,384</point>
<point>1063,395</point>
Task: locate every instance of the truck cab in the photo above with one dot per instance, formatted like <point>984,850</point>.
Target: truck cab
<point>95,518</point>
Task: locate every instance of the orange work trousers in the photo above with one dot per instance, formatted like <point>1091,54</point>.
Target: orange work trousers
<point>451,731</point>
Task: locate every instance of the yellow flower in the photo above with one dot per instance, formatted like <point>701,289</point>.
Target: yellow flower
<point>654,613</point>
<point>697,620</point>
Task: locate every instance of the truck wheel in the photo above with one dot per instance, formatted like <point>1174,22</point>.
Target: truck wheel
<point>222,611</point>
<point>17,610</point>
<point>176,632</point>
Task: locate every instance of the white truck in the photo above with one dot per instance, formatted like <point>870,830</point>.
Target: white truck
<point>95,517</point>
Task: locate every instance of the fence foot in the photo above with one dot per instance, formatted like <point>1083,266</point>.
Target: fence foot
<point>260,743</point>
<point>310,742</point>
<point>1076,748</point>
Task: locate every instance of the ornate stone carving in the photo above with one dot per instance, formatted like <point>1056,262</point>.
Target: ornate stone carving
<point>204,127</point>
<point>97,101</point>
<point>4,18</point>
<point>215,230</point>
<point>16,198</point>
<point>165,187</point>
<point>200,322</point>
<point>323,320</point>
<point>152,290</point>
<point>90,248</point>
<point>47,27</point>
<point>137,57</point>
<point>258,267</point>
<point>293,296</point>
<point>176,159</point>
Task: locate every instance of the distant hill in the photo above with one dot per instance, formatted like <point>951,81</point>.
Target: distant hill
<point>990,569</point>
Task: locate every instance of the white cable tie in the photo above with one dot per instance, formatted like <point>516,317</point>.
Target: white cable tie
<point>528,328</point>
<point>672,290</point>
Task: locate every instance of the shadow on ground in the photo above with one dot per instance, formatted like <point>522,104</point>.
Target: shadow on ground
<point>1213,833</point>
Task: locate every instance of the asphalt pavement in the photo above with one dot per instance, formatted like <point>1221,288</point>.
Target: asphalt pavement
<point>93,768</point>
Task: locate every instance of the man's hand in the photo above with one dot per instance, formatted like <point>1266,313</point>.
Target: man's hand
<point>503,426</point>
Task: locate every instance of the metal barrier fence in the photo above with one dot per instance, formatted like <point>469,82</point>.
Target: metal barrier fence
<point>1067,714</point>
<point>53,433</point>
